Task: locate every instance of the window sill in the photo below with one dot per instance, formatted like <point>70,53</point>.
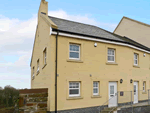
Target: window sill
<point>111,63</point>
<point>96,96</point>
<point>33,77</point>
<point>74,98</point>
<point>44,66</point>
<point>144,92</point>
<point>37,72</point>
<point>136,66</point>
<point>76,61</point>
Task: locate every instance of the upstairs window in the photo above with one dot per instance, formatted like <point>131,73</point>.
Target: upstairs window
<point>135,59</point>
<point>74,89</point>
<point>33,73</point>
<point>44,56</point>
<point>38,66</point>
<point>144,86</point>
<point>74,51</point>
<point>95,88</point>
<point>111,55</point>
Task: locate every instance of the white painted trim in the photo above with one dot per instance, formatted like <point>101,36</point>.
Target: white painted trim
<point>74,51</point>
<point>99,40</point>
<point>50,30</point>
<point>111,55</point>
<point>136,95</point>
<point>136,59</point>
<point>112,100</point>
<point>96,88</point>
<point>144,86</point>
<point>74,88</point>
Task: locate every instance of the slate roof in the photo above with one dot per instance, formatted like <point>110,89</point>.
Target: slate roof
<point>91,30</point>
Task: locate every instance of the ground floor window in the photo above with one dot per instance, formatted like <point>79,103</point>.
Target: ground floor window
<point>74,89</point>
<point>95,88</point>
<point>144,86</point>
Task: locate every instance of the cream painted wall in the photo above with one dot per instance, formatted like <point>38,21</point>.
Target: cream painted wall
<point>134,30</point>
<point>93,61</point>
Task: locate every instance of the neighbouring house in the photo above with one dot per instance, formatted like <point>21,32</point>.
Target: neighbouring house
<point>135,30</point>
<point>83,66</point>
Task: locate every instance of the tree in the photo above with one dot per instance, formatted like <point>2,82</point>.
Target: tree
<point>8,96</point>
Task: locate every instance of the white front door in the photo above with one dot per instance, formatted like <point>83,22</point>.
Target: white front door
<point>112,87</point>
<point>135,92</point>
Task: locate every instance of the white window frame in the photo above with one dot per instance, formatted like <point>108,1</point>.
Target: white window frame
<point>144,86</point>
<point>135,58</point>
<point>75,52</point>
<point>45,55</point>
<point>38,61</point>
<point>111,55</point>
<point>74,95</point>
<point>96,88</point>
<point>50,30</point>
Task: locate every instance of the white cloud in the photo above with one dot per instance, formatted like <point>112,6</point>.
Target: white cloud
<point>78,18</point>
<point>23,60</point>
<point>17,37</point>
<point>7,23</point>
<point>21,66</point>
<point>16,31</point>
<point>83,19</point>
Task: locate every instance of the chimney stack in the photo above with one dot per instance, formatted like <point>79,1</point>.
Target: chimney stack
<point>43,8</point>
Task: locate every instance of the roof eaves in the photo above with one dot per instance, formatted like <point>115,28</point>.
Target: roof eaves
<point>85,35</point>
<point>126,39</point>
<point>132,42</point>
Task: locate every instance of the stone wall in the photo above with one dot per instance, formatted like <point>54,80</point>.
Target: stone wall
<point>33,100</point>
<point>81,110</point>
<point>138,109</point>
<point>94,109</point>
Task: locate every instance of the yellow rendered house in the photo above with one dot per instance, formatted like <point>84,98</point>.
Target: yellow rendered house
<point>83,66</point>
<point>135,30</point>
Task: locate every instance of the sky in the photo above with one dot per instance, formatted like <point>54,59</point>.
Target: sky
<point>18,20</point>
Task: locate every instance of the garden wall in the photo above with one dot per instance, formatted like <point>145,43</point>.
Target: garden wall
<point>33,100</point>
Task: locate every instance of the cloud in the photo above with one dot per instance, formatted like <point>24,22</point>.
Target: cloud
<point>83,19</point>
<point>16,31</point>
<point>78,18</point>
<point>16,39</point>
<point>6,23</point>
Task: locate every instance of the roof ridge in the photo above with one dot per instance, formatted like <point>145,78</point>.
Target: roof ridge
<point>83,24</point>
<point>137,21</point>
<point>74,21</point>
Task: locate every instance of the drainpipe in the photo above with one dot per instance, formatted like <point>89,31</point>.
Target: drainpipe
<point>56,74</point>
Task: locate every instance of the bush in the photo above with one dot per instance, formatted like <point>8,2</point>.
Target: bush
<point>8,96</point>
